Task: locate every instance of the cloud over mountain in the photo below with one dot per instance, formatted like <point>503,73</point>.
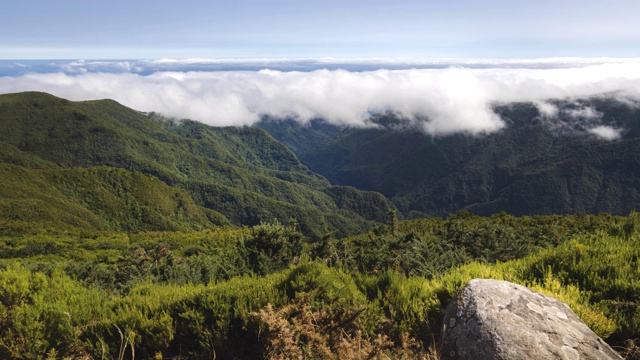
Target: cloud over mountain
<point>605,132</point>
<point>441,100</point>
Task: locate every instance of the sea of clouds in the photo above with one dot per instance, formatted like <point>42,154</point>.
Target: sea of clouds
<point>442,96</point>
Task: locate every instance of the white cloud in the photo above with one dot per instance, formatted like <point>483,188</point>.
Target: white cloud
<point>453,99</point>
<point>585,113</point>
<point>605,132</point>
<point>576,119</point>
<point>546,109</point>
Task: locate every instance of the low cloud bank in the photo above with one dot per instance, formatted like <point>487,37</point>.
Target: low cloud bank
<point>441,101</point>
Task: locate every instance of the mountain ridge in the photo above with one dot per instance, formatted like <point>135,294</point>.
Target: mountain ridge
<point>242,174</point>
<point>537,164</point>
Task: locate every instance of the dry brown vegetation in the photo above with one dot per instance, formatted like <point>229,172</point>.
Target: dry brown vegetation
<point>298,332</point>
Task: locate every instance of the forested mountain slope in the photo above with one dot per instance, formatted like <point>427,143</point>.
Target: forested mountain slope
<point>84,273</point>
<point>237,175</point>
<point>585,157</point>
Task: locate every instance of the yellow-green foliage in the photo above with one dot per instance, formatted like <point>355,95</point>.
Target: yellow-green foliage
<point>100,198</point>
<point>409,303</point>
<point>592,273</point>
<point>169,294</point>
<point>579,302</point>
<point>41,313</point>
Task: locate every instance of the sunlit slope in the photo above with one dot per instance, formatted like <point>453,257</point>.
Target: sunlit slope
<point>242,173</point>
<point>102,198</point>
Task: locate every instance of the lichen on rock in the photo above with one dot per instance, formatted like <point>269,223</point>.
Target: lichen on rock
<point>491,319</point>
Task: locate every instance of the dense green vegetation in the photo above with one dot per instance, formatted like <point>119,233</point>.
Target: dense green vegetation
<point>234,175</point>
<point>99,198</point>
<point>266,291</point>
<point>126,235</point>
<point>536,165</point>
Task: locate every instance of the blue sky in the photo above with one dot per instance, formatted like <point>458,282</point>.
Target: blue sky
<point>445,64</point>
<point>146,29</point>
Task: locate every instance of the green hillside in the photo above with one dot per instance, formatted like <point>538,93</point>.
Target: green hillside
<point>100,198</point>
<point>118,236</point>
<point>241,174</point>
<point>535,165</point>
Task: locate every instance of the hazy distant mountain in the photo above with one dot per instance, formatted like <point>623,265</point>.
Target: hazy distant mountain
<point>558,157</point>
<point>99,164</point>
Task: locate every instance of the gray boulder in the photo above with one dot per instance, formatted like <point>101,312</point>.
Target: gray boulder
<point>490,319</point>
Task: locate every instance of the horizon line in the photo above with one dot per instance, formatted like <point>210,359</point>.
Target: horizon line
<point>335,59</point>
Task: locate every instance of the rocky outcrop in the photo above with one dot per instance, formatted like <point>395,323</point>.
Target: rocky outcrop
<point>490,319</point>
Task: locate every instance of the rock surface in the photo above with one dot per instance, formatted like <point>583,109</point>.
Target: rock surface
<point>490,319</point>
